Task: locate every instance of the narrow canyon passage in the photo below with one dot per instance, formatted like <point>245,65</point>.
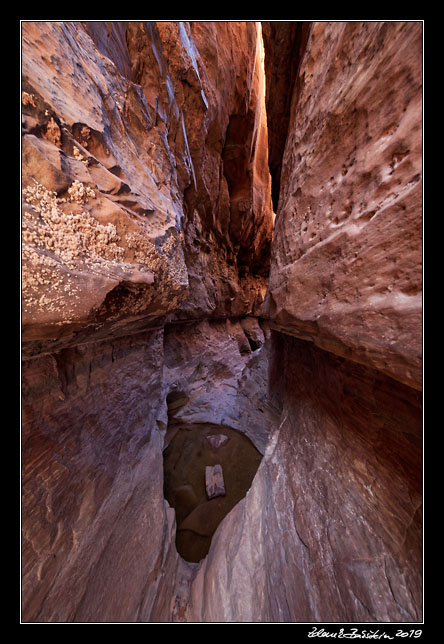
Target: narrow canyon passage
<point>221,322</point>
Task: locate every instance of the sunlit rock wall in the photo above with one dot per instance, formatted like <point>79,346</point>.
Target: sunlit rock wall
<point>147,226</point>
<point>146,197</point>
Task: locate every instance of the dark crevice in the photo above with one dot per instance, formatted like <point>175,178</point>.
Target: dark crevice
<point>254,345</point>
<point>236,169</point>
<point>284,46</point>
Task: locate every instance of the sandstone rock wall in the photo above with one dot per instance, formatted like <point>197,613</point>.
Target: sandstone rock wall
<point>145,176</point>
<point>213,376</point>
<point>93,509</point>
<point>330,530</point>
<point>95,422</point>
<point>146,194</point>
<point>347,251</point>
<point>147,237</point>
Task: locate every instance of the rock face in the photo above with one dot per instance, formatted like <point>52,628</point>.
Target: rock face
<point>102,240</point>
<point>93,505</point>
<point>96,419</point>
<point>330,529</point>
<point>155,346</point>
<point>145,176</point>
<point>211,375</point>
<point>346,257</point>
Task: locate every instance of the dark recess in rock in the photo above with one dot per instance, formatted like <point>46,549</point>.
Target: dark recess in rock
<point>284,44</point>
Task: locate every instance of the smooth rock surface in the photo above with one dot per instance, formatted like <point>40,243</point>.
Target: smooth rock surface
<point>330,530</point>
<point>93,507</point>
<point>347,248</point>
<point>94,428</point>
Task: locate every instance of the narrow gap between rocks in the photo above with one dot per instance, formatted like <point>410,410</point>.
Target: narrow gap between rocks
<point>209,468</point>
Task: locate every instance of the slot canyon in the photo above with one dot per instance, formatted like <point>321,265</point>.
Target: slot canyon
<point>221,380</point>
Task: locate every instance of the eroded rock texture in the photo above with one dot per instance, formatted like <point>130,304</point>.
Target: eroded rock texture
<point>145,176</point>
<point>146,194</point>
<point>212,375</point>
<point>148,169</point>
<point>346,258</point>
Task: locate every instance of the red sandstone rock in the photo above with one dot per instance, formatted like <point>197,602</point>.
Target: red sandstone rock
<point>93,507</point>
<point>228,207</point>
<point>346,259</point>
<point>145,173</point>
<point>213,377</point>
<point>101,231</point>
<point>330,530</point>
<point>152,137</point>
